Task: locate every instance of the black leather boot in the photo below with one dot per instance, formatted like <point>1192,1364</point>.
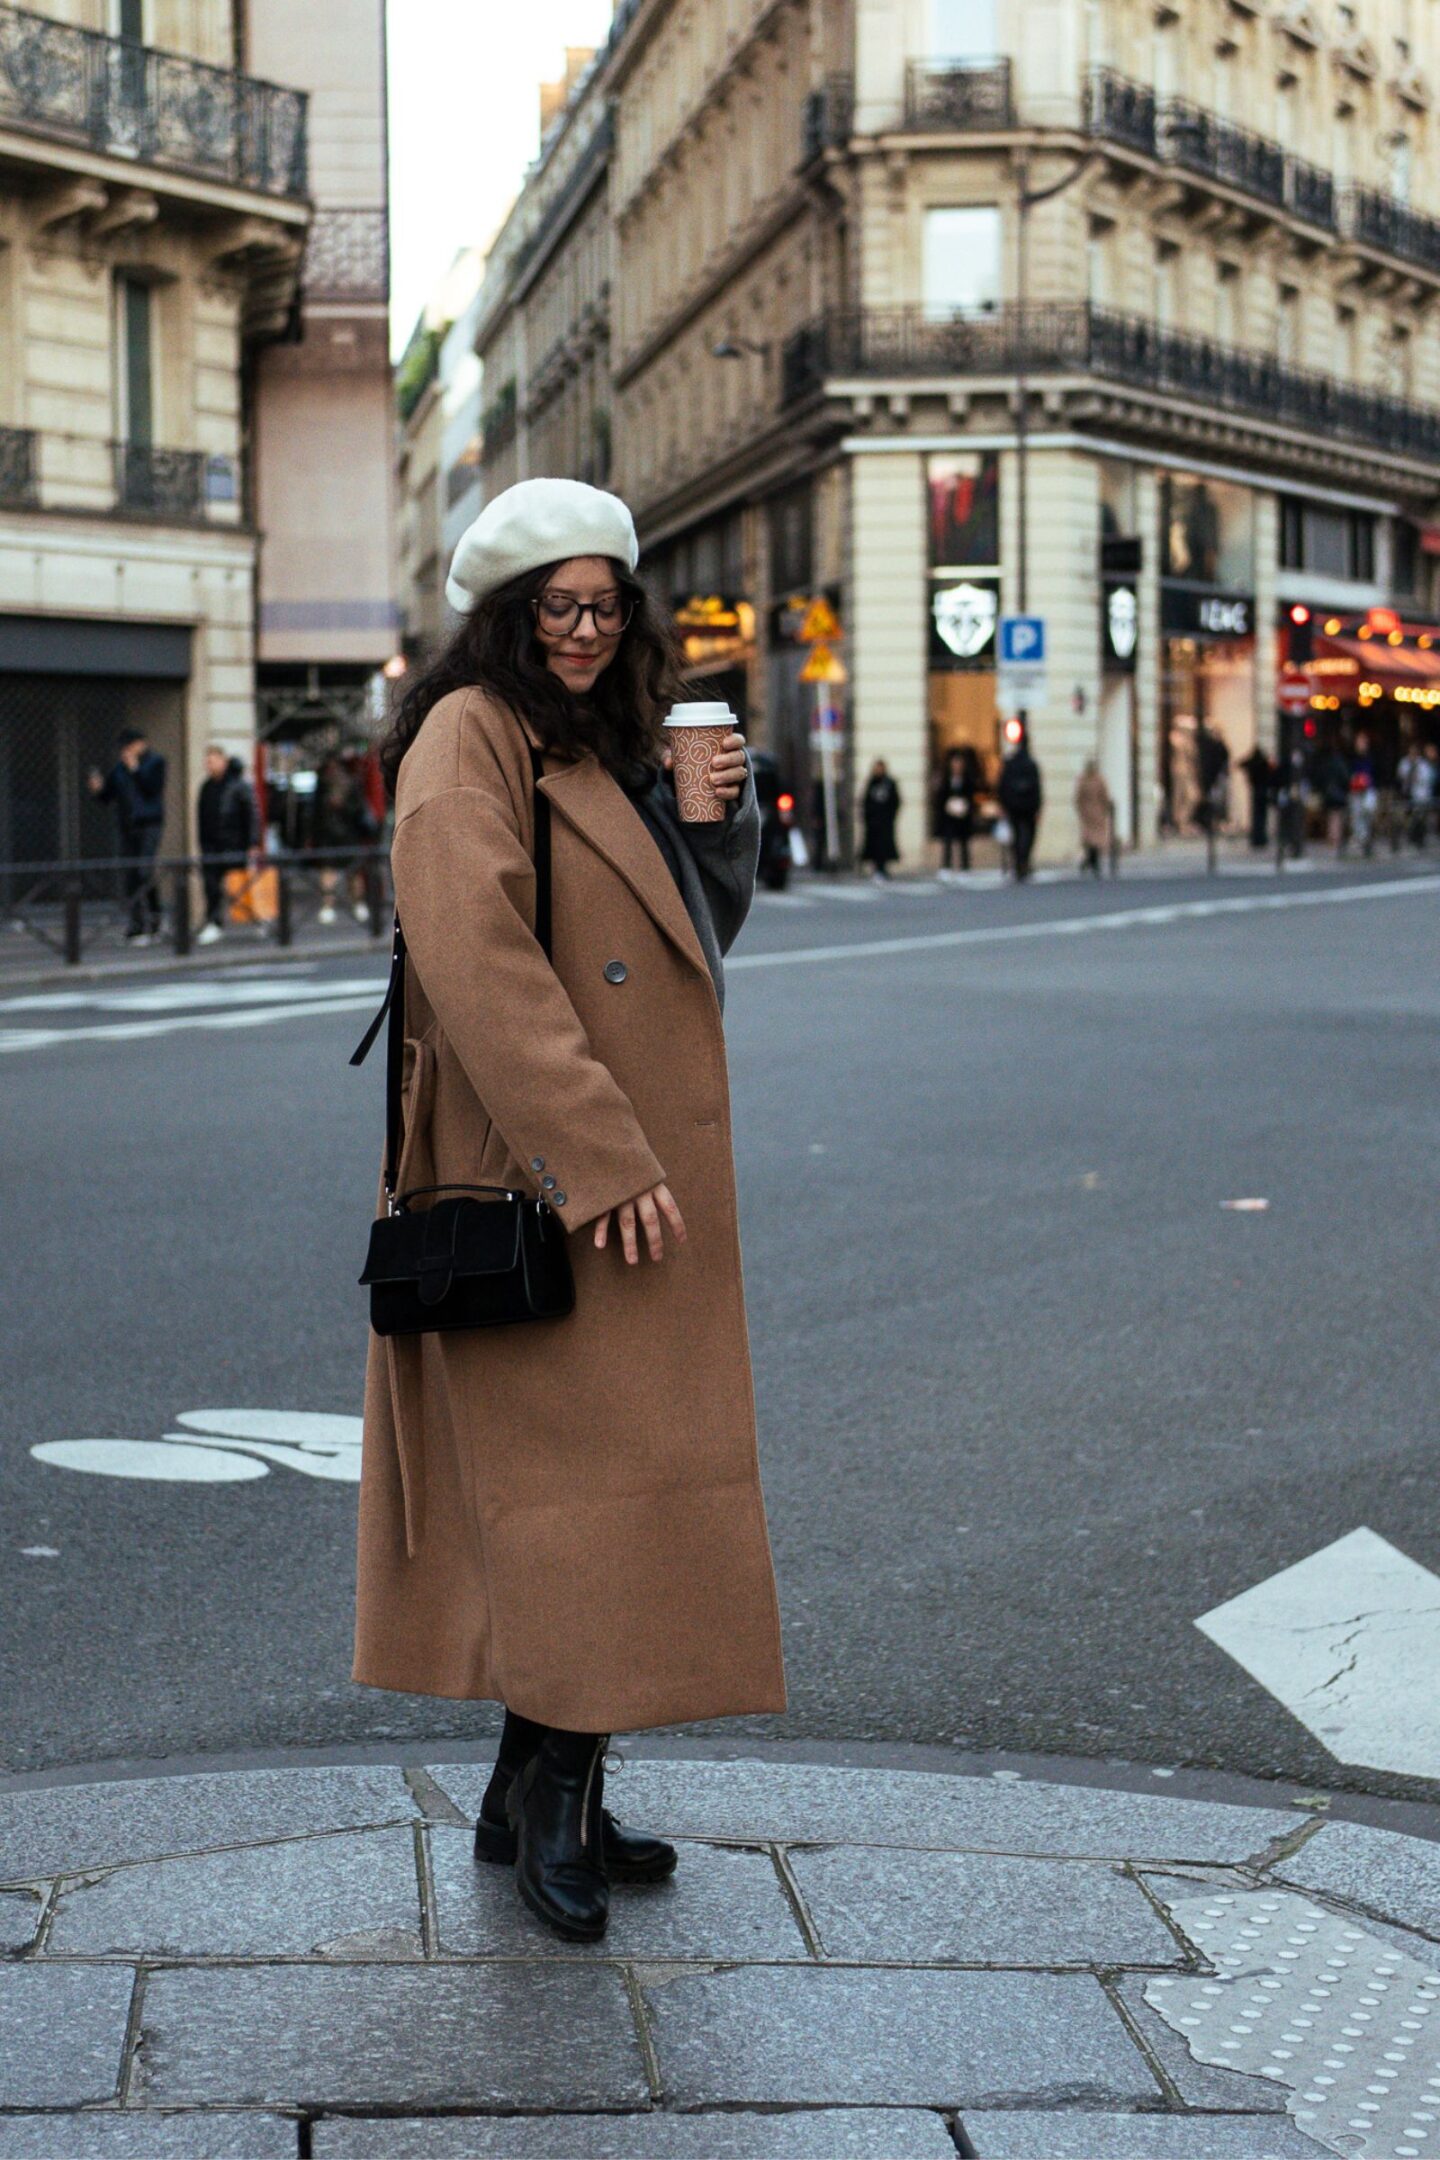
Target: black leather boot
<point>554,1811</point>
<point>519,1739</point>
<point>630,1856</point>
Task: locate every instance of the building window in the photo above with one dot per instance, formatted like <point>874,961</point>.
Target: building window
<point>1406,544</point>
<point>1166,253</point>
<point>962,29</point>
<point>962,260</point>
<point>1287,325</point>
<point>964,497</point>
<point>127,20</point>
<point>1327,542</point>
<point>134,387</point>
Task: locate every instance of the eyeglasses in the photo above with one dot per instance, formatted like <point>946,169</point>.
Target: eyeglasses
<point>560,614</point>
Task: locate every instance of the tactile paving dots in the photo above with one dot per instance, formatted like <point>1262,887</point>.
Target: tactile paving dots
<point>1339,2019</point>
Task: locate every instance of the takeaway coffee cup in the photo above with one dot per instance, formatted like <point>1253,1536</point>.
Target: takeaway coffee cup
<point>694,733</point>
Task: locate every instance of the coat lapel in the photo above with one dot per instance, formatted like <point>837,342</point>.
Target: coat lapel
<point>588,798</point>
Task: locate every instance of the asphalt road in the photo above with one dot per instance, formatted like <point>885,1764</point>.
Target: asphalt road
<point>1032,1399</point>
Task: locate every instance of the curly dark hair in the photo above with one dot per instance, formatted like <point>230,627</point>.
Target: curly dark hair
<point>496,649</point>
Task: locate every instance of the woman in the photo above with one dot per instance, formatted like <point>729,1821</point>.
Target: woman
<point>955,795</point>
<point>566,1516</point>
<point>879,808</point>
<point>1095,811</point>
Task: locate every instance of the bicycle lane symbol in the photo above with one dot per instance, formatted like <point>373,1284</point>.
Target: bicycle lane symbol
<point>222,1447</point>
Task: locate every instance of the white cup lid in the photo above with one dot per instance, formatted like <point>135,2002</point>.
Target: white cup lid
<point>698,715</point>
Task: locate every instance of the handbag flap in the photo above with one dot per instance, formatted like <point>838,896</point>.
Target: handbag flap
<point>435,1244</point>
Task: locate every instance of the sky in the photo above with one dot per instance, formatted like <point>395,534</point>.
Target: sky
<point>465,123</point>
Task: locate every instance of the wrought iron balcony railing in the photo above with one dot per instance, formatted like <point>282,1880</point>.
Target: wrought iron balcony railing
<point>970,95</point>
<point>158,108</point>
<point>1120,110</point>
<point>1380,222</point>
<point>1076,338</point>
<point>347,256</point>
<point>1201,142</point>
<point>829,111</point>
<point>17,468</point>
<point>89,476</point>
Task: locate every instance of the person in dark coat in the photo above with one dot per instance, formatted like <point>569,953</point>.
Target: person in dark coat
<point>955,794</point>
<point>1263,779</point>
<point>1022,798</point>
<point>228,829</point>
<point>879,808</point>
<point>343,819</point>
<point>135,784</point>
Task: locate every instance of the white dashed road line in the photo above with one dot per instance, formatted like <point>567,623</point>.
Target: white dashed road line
<point>300,999</point>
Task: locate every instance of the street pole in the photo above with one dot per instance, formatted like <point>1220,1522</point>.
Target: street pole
<point>827,778</point>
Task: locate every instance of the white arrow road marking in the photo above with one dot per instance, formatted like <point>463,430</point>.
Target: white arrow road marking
<point>223,1447</point>
<point>1349,1641</point>
<point>1306,1999</point>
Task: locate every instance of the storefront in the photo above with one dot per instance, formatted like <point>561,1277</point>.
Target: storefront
<point>1207,645</point>
<point>1374,672</point>
<point>963,506</point>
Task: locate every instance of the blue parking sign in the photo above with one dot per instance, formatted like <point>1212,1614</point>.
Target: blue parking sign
<point>1022,641</point>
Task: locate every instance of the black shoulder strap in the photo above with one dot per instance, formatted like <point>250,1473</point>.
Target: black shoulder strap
<point>394,1000</point>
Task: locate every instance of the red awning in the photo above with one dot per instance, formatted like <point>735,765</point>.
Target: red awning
<point>1378,661</point>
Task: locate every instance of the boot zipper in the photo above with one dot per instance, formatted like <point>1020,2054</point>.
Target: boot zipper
<point>596,1759</point>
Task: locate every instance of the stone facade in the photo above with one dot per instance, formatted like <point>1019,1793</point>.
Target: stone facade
<point>1176,268</point>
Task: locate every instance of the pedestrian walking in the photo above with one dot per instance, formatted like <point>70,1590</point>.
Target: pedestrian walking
<point>1262,778</point>
<point>879,808</point>
<point>1096,813</point>
<point>1417,775</point>
<point>1022,798</point>
<point>955,793</point>
<point>343,820</point>
<point>1213,765</point>
<point>135,784</point>
<point>229,832</point>
<point>1332,781</point>
<point>1364,795</point>
<point>566,1517</point>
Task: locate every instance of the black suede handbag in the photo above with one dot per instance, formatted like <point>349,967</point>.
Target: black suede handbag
<point>468,1261</point>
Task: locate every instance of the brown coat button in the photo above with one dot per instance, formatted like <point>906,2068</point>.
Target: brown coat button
<point>615,971</point>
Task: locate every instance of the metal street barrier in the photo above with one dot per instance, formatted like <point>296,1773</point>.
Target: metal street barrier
<point>114,903</point>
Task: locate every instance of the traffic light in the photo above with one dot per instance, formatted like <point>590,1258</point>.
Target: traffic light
<point>1301,644</point>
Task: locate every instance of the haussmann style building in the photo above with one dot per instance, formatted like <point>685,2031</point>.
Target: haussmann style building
<point>195,435</point>
<point>1118,314</point>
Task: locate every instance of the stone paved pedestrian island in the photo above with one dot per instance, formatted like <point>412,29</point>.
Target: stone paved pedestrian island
<point>851,1964</point>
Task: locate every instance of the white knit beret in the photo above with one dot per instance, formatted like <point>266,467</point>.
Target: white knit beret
<point>536,522</point>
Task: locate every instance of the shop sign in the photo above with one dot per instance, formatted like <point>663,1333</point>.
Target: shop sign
<point>1188,610</point>
<point>1122,625</point>
<point>965,617</point>
<point>713,626</point>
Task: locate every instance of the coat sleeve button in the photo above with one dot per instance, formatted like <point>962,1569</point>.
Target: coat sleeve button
<point>558,1199</point>
<point>615,971</point>
<point>548,1182</point>
<point>537,1162</point>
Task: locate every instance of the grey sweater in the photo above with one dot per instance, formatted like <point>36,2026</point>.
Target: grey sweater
<point>713,865</point>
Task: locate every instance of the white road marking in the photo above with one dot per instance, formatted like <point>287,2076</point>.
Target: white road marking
<point>303,999</point>
<point>179,996</point>
<point>15,1039</point>
<point>1085,925</point>
<point>155,1459</point>
<point>1348,2025</point>
<point>223,1447</point>
<point>1246,1207</point>
<point>1349,1641</point>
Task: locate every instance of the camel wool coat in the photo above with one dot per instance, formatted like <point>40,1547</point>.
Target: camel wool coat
<point>564,1516</point>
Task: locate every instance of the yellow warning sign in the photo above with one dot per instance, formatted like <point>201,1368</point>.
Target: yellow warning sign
<point>821,625</point>
<point>823,667</point>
